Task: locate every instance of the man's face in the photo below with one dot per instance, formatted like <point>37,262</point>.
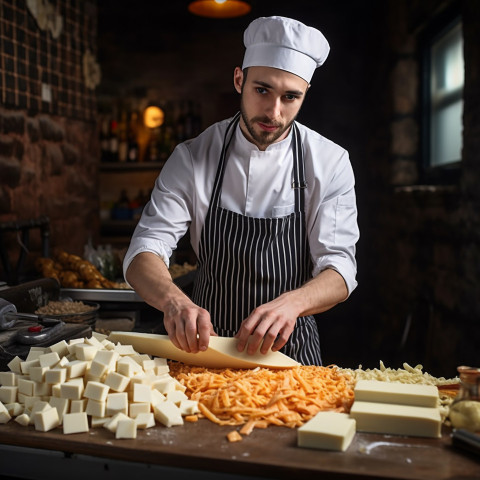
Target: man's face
<point>270,101</point>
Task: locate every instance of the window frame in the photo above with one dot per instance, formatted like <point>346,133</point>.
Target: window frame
<point>445,174</point>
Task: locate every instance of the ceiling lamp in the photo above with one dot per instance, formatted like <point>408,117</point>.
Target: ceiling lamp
<point>219,8</point>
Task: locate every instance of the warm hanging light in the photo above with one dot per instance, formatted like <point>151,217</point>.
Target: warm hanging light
<point>219,8</point>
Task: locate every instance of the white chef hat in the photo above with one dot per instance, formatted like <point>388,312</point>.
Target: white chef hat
<point>286,44</point>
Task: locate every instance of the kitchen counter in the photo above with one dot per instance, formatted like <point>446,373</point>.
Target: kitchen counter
<point>202,449</point>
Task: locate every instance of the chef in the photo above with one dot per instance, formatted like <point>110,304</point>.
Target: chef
<point>271,209</point>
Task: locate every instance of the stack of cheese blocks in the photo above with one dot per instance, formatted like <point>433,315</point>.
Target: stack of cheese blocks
<point>379,407</point>
<point>92,382</point>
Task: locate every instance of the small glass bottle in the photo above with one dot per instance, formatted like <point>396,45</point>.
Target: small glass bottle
<point>465,409</point>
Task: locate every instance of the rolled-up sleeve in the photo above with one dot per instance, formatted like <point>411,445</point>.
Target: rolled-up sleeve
<point>332,220</point>
<point>167,216</point>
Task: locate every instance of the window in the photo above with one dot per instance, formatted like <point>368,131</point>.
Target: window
<point>443,99</point>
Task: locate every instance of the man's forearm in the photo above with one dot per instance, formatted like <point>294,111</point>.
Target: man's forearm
<point>149,276</point>
<point>320,294</point>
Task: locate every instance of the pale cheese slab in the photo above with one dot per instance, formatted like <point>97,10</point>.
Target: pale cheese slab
<point>395,419</point>
<point>327,431</point>
<point>398,393</point>
<point>221,353</point>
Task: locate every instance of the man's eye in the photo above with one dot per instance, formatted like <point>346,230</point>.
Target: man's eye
<point>291,97</point>
<point>261,90</point>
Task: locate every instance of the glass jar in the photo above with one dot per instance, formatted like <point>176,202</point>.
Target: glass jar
<point>465,409</point>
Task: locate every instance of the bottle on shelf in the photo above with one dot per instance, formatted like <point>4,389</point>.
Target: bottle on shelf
<point>122,138</point>
<point>113,141</point>
<point>132,138</point>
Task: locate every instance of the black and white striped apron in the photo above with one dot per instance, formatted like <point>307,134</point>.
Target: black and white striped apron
<point>246,261</point>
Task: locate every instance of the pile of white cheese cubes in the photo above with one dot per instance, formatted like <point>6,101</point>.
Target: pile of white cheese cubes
<point>92,382</point>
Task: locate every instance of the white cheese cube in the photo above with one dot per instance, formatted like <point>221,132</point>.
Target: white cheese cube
<point>56,390</point>
<point>117,403</point>
<point>37,407</point>
<point>397,393</point>
<point>85,352</point>
<point>157,397</point>
<point>327,431</point>
<point>161,369</point>
<point>29,401</point>
<point>142,393</point>
<point>15,365</point>
<point>164,384</point>
<point>77,406</point>
<point>107,357</point>
<point>136,408</point>
<point>176,396</point>
<point>76,368</point>
<point>94,342</point>
<point>49,359</point>
<point>124,350</point>
<point>108,345</point>
<point>4,415</point>
<point>56,375</point>
<point>117,381</point>
<point>96,391</point>
<point>97,369</point>
<point>60,347</point>
<point>394,419</point>
<point>140,358</point>
<point>99,336</point>
<point>145,420</point>
<point>97,422</point>
<point>37,374</point>
<point>126,429</point>
<point>8,394</point>
<point>62,405</point>
<point>25,366</point>
<point>168,414</point>
<point>72,389</point>
<point>95,408</point>
<point>113,422</point>
<point>23,419</point>
<point>15,409</point>
<point>41,389</point>
<point>8,379</point>
<point>34,353</point>
<point>46,419</point>
<point>62,363</point>
<point>128,367</point>
<point>188,407</point>
<point>148,364</point>
<point>26,386</point>
<point>75,423</point>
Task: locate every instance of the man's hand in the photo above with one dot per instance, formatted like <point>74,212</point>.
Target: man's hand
<point>188,326</point>
<point>269,326</point>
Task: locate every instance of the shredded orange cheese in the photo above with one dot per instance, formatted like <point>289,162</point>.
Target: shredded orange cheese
<point>261,397</point>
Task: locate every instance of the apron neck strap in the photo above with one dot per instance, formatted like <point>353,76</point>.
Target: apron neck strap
<point>299,182</point>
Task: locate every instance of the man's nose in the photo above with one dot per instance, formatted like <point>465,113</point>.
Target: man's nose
<point>274,108</point>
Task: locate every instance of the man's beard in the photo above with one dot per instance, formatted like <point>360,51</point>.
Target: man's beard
<point>263,139</point>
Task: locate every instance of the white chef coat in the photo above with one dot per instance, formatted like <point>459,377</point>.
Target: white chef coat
<point>257,184</point>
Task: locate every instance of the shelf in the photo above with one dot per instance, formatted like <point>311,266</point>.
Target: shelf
<point>129,167</point>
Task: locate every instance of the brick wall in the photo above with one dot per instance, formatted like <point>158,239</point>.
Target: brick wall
<point>48,134</point>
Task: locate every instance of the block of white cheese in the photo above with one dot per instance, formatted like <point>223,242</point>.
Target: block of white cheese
<point>126,429</point>
<point>398,393</point>
<point>75,423</point>
<point>168,414</point>
<point>392,419</point>
<point>327,431</point>
<point>221,353</point>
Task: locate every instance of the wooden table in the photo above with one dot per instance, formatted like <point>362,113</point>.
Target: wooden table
<point>202,449</point>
